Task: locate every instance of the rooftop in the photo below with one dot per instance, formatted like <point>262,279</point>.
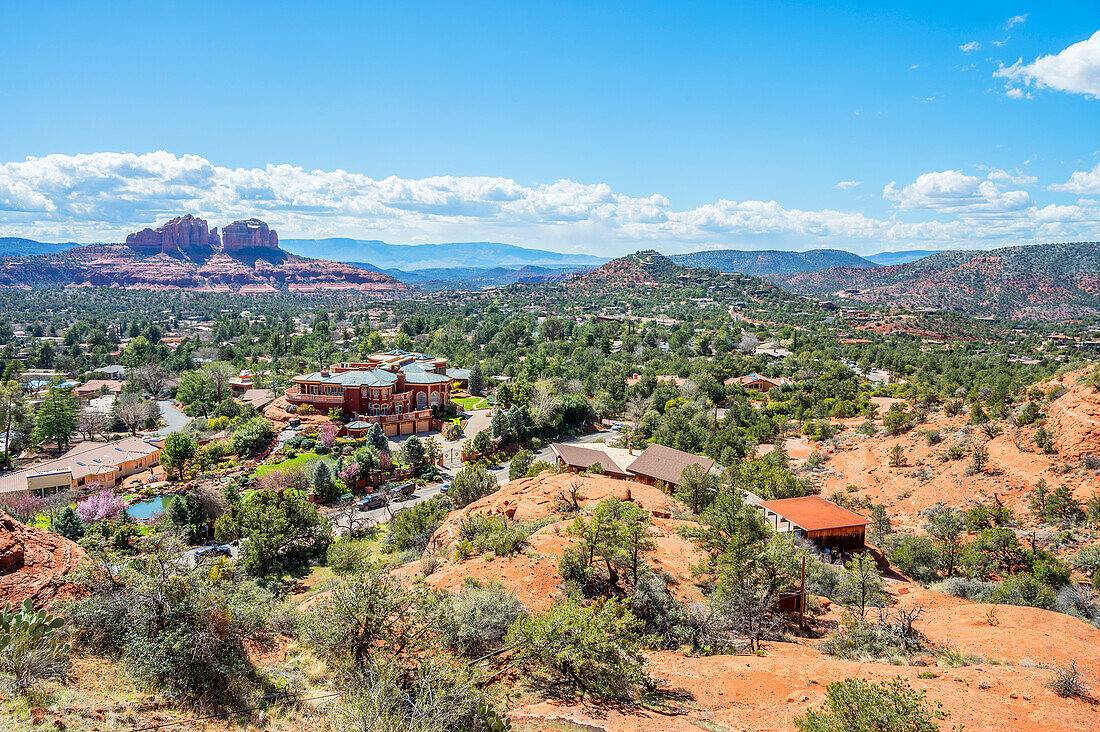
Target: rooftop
<point>666,463</point>
<point>814,513</point>
<point>583,458</point>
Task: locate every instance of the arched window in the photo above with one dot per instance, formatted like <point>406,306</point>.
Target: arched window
<point>421,400</point>
<point>435,398</point>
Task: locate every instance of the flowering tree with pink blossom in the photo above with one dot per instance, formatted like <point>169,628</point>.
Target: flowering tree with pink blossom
<point>101,506</point>
<point>350,475</point>
<point>327,435</point>
<point>21,506</point>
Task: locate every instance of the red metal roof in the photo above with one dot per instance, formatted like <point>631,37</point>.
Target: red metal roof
<point>814,513</point>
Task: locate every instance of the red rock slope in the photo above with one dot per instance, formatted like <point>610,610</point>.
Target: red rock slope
<point>32,561</point>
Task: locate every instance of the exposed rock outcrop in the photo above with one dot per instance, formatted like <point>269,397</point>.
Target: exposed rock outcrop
<point>183,234</point>
<point>248,234</point>
<point>32,562</point>
<point>186,254</point>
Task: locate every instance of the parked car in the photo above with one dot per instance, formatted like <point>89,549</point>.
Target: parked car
<point>294,422</point>
<point>374,500</point>
<point>213,552</point>
<point>445,487</point>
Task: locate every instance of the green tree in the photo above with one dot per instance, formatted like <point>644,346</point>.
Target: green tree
<point>196,392</point>
<point>252,437</point>
<point>862,582</point>
<point>476,385</point>
<point>323,485</point>
<point>470,484</point>
<point>16,416</point>
<point>177,450</point>
<point>896,418</point>
<point>595,647</point>
<point>696,488</point>
<point>68,524</point>
<point>282,528</point>
<point>1063,506</point>
<point>858,705</point>
<point>521,462</point>
<point>1037,498</point>
<point>414,454</point>
<point>56,418</point>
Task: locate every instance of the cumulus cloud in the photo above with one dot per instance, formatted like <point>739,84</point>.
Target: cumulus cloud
<point>1075,70</point>
<point>103,196</point>
<point>970,47</point>
<point>846,185</point>
<point>1081,182</point>
<point>954,191</point>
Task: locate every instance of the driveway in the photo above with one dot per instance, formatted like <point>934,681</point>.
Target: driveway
<point>341,520</point>
<point>174,419</point>
<point>547,455</point>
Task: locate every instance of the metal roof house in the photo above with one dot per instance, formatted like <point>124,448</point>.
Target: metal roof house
<point>818,520</point>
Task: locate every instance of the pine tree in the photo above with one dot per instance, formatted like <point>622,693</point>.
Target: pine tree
<point>322,481</point>
<point>69,525</point>
<point>56,417</point>
<point>477,380</point>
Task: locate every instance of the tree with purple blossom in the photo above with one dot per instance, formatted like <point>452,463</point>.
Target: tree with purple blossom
<point>101,506</point>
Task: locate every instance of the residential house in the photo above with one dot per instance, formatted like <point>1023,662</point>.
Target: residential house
<point>665,464</point>
<point>105,463</point>
<point>823,522</point>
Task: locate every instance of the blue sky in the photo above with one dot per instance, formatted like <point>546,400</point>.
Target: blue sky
<point>568,126</point>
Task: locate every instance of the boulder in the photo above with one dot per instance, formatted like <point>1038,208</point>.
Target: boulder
<point>32,563</point>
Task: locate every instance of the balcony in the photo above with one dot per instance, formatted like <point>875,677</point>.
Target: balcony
<point>294,396</point>
<point>390,418</point>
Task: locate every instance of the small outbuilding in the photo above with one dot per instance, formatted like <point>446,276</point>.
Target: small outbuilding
<point>823,522</point>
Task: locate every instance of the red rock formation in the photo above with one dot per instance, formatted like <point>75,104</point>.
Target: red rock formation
<point>183,234</point>
<point>248,234</point>
<point>32,562</point>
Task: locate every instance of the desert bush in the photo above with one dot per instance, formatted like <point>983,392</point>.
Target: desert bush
<point>475,620</point>
<point>858,705</point>
<point>595,648</point>
<point>181,628</point>
<point>1067,682</point>
<point>412,527</point>
<point>346,556</point>
<point>890,636</point>
<point>470,484</point>
<point>30,648</point>
<point>968,589</point>
<point>664,616</point>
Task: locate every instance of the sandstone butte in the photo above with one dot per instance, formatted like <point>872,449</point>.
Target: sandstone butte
<point>186,254</point>
<point>33,562</point>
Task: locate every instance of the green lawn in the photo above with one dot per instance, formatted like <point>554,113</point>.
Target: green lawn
<point>298,461</point>
<point>472,402</point>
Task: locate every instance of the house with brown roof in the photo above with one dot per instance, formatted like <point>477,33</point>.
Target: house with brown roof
<point>666,464</point>
<point>823,522</point>
<point>756,382</point>
<point>92,388</point>
<point>105,463</point>
<point>578,459</point>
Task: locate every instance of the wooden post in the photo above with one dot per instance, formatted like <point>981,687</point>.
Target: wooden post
<point>802,597</point>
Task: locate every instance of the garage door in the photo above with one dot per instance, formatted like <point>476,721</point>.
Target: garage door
<point>391,429</point>
<point>407,428</point>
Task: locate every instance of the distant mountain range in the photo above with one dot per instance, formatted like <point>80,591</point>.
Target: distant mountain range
<point>13,246</point>
<point>912,255</point>
<point>410,257</point>
<point>446,278</point>
<point>1036,282</point>
<point>771,261</point>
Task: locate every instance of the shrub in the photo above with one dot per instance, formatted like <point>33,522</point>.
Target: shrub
<point>470,484</point>
<point>346,556</point>
<point>476,619</point>
<point>412,528</point>
<point>252,437</point>
<point>520,464</point>
<point>596,648</point>
<point>69,525</point>
<point>858,705</point>
<point>178,627</point>
<point>1067,682</point>
<point>30,648</point>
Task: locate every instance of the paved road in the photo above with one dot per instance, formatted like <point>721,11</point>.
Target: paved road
<point>174,419</point>
<point>363,519</point>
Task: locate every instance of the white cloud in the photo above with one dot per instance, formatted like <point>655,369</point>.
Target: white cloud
<point>846,185</point>
<point>103,196</point>
<point>954,191</point>
<point>1075,69</point>
<point>1015,20</point>
<point>970,47</point>
<point>1082,182</point>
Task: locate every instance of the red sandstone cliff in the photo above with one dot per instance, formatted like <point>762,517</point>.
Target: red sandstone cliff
<point>32,562</point>
<point>248,234</point>
<point>183,234</point>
